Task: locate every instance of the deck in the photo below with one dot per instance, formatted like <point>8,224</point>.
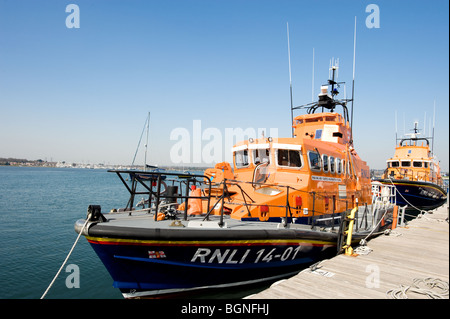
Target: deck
<point>418,251</point>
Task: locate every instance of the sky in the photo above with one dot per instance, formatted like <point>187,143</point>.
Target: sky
<point>202,68</point>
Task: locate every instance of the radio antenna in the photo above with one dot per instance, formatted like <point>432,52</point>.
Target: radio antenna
<point>425,124</point>
<point>353,83</point>
<point>434,121</point>
<point>290,78</point>
<point>312,90</point>
<point>396,128</point>
<point>146,143</point>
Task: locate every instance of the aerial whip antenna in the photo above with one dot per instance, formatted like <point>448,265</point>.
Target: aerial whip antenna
<point>425,124</point>
<point>404,124</point>
<point>312,90</point>
<point>146,143</point>
<point>290,78</point>
<point>434,121</point>
<point>353,83</point>
<point>396,128</point>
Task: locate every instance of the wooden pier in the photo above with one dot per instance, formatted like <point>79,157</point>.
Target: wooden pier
<point>400,261</point>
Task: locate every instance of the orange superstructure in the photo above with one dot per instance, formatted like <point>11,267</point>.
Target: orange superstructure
<point>414,161</point>
<point>415,173</point>
<point>280,206</point>
<point>317,172</point>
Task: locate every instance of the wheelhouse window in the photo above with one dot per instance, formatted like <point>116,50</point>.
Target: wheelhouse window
<point>394,164</point>
<point>417,164</point>
<point>241,158</point>
<point>332,168</point>
<point>261,155</point>
<point>289,158</point>
<point>406,164</point>
<point>338,166</point>
<point>314,161</point>
<point>325,162</point>
<point>318,134</point>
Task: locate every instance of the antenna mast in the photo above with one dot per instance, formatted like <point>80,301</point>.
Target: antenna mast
<point>146,143</point>
<point>353,84</point>
<point>425,125</point>
<point>396,139</point>
<point>312,90</point>
<point>434,120</point>
<point>290,79</point>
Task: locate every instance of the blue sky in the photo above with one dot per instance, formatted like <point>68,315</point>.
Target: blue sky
<point>82,94</point>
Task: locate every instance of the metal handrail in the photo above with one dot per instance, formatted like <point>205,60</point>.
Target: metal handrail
<point>156,178</point>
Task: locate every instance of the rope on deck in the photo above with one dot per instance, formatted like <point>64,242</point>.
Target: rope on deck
<point>362,250</point>
<point>67,258</point>
<point>433,288</point>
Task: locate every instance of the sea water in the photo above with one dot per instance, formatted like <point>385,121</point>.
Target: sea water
<point>38,209</point>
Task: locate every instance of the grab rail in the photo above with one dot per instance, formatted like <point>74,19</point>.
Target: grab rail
<point>158,179</point>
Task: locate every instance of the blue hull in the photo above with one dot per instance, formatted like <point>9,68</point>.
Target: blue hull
<point>420,195</point>
<point>141,268</point>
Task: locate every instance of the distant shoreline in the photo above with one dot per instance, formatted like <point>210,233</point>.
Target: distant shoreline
<point>40,163</point>
<point>13,162</point>
<point>123,167</point>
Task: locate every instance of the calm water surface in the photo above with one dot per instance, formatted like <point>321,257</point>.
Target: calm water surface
<point>38,209</point>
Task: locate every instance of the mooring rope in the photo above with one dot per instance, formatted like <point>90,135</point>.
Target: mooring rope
<point>363,249</point>
<point>421,211</point>
<point>441,291</point>
<point>67,258</point>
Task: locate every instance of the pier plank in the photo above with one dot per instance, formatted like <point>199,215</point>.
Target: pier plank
<point>419,250</point>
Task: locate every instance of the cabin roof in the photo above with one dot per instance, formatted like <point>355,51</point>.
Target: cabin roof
<point>319,117</point>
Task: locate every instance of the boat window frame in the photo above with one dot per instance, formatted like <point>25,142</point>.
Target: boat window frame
<point>338,165</point>
<point>391,163</point>
<point>417,162</point>
<point>325,163</point>
<point>405,161</point>
<point>310,164</point>
<point>248,158</point>
<point>332,164</point>
<point>254,150</point>
<point>318,134</point>
<point>288,150</point>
